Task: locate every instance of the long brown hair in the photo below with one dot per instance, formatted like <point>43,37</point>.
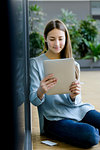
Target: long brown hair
<point>67,50</point>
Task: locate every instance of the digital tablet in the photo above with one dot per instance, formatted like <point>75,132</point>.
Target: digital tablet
<point>64,71</point>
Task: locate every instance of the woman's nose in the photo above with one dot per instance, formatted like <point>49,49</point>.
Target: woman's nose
<point>56,42</point>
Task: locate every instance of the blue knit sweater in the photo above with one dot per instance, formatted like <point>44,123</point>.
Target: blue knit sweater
<point>53,107</point>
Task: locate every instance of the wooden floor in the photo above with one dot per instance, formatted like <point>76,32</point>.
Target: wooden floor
<point>90,94</point>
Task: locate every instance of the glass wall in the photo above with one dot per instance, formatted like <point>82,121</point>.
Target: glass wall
<point>15,73</point>
<point>22,74</point>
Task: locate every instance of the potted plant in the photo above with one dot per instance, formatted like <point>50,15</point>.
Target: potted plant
<point>88,32</point>
<point>92,59</point>
<point>36,44</point>
<point>36,40</point>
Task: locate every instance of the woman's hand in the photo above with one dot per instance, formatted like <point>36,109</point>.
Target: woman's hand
<point>47,83</point>
<point>75,89</point>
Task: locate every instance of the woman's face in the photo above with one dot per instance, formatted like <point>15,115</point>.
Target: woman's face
<point>56,40</point>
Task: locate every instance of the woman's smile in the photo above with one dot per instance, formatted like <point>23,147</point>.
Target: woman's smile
<point>57,48</point>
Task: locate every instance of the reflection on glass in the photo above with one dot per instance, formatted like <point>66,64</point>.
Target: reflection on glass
<point>20,73</point>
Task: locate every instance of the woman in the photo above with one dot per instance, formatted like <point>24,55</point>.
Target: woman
<point>65,116</point>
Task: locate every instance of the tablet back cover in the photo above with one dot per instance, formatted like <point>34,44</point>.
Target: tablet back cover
<point>64,71</point>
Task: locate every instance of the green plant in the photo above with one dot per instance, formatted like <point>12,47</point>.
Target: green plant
<point>36,41</point>
<point>98,28</point>
<point>68,17</point>
<point>94,51</point>
<point>36,24</point>
<point>79,31</point>
<point>75,40</point>
<point>36,18</point>
<point>88,31</point>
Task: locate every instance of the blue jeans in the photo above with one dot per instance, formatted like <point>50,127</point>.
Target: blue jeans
<point>82,134</point>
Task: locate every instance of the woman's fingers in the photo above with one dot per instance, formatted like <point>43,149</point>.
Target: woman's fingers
<point>52,80</point>
<point>78,87</point>
<point>75,85</point>
<point>49,86</point>
<point>48,77</point>
<point>75,88</point>
<point>48,82</point>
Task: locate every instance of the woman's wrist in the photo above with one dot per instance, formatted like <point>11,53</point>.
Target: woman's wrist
<point>40,94</point>
<point>72,98</point>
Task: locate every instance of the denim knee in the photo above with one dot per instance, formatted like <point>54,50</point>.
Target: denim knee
<point>93,137</point>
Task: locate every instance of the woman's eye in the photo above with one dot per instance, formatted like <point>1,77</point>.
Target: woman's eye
<point>60,39</point>
<point>51,39</point>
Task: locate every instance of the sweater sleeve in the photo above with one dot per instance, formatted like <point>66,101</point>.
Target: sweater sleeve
<point>34,84</point>
<point>77,101</point>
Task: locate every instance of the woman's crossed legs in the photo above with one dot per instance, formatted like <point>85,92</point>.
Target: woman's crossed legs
<point>83,134</point>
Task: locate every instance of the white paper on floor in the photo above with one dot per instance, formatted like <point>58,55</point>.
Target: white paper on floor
<point>50,143</point>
